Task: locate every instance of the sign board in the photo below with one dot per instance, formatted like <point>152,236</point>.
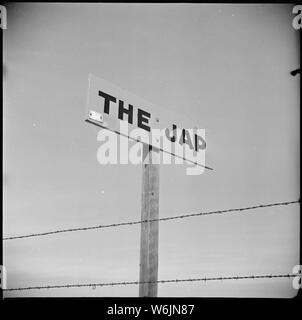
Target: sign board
<point>111,107</point>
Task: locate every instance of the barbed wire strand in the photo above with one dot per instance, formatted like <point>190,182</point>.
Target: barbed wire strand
<point>153,220</point>
<point>271,276</point>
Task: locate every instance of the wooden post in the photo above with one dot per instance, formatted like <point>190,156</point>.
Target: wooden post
<point>149,230</point>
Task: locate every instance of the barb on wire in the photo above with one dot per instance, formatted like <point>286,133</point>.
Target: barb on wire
<point>153,220</point>
<point>125,283</point>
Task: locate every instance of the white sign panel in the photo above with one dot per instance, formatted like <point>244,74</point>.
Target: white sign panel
<point>108,106</point>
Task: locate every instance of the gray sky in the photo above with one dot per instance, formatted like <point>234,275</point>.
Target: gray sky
<point>227,66</point>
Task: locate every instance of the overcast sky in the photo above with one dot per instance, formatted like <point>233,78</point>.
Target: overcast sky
<point>228,67</point>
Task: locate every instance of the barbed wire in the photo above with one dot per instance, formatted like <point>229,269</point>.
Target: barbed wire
<point>153,220</point>
<point>106,284</point>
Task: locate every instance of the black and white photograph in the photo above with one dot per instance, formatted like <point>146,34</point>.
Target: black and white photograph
<point>151,150</point>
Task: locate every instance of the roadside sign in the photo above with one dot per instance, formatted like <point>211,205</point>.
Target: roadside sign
<point>108,106</point>
<point>124,113</point>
